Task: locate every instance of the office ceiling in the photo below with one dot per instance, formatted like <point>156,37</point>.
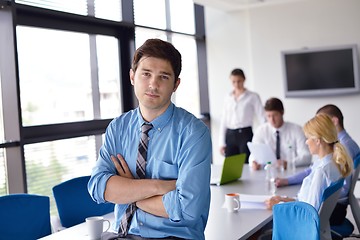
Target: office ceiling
<point>233,5</point>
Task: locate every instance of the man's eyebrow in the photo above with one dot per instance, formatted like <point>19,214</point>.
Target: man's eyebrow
<point>161,72</point>
<point>145,69</point>
<point>165,73</point>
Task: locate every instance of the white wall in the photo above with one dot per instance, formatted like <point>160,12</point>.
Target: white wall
<point>253,40</point>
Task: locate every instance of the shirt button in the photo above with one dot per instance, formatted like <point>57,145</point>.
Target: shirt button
<point>141,223</point>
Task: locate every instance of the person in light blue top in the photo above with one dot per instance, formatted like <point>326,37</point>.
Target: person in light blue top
<point>332,164</point>
<point>353,149</point>
<point>323,172</point>
<point>173,201</point>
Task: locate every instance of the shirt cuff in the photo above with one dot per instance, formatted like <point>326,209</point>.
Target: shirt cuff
<point>172,207</point>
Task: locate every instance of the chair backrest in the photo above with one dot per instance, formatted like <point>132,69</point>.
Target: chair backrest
<point>354,204</point>
<point>296,221</point>
<point>329,199</point>
<point>355,174</point>
<point>74,202</point>
<point>24,216</point>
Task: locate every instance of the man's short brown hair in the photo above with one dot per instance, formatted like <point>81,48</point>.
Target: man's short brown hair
<point>159,49</point>
<point>274,104</point>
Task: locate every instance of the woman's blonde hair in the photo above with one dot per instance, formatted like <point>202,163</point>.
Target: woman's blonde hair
<point>323,128</point>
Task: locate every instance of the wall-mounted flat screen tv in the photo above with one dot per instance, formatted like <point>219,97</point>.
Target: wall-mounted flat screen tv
<point>321,71</point>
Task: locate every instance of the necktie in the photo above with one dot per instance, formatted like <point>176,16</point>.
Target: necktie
<point>140,171</point>
<point>277,145</point>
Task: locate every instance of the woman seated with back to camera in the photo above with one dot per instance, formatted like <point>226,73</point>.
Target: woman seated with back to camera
<point>333,162</point>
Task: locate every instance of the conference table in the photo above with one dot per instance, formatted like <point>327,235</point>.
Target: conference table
<point>221,223</point>
<point>248,220</point>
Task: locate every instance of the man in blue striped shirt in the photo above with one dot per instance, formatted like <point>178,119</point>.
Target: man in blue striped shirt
<point>173,200</point>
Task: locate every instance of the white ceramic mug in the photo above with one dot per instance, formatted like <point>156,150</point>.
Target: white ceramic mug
<point>95,226</point>
<point>232,202</point>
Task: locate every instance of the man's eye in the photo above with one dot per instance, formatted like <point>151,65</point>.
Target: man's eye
<point>146,74</point>
<point>164,77</point>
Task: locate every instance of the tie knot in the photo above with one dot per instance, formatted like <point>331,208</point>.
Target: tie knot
<point>146,127</point>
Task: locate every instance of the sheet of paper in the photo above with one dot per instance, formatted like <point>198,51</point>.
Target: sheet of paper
<point>249,201</point>
<point>262,152</point>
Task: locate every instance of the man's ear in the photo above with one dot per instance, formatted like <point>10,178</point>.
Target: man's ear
<point>335,120</point>
<point>132,75</point>
<point>177,83</point>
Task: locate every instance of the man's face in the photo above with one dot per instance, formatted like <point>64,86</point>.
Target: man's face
<point>154,82</point>
<point>275,118</point>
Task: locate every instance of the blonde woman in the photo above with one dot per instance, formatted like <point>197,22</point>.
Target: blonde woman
<point>332,164</point>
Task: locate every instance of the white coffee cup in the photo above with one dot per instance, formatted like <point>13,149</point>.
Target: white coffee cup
<point>95,226</point>
<point>232,202</point>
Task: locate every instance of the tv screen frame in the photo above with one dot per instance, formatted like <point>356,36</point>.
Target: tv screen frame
<point>300,71</point>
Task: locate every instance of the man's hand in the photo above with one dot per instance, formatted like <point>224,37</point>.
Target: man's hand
<point>280,163</point>
<point>222,151</point>
<point>255,166</point>
<point>123,188</point>
<point>121,166</point>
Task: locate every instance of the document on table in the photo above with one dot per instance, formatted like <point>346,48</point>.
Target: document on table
<point>250,201</point>
<point>262,152</point>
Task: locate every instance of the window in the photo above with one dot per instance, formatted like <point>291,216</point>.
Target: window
<point>50,163</point>
<point>55,76</point>
<point>109,9</point>
<point>150,13</point>
<point>142,34</point>
<point>108,73</point>
<point>182,16</point>
<point>187,95</point>
<point>69,6</point>
<point>54,68</point>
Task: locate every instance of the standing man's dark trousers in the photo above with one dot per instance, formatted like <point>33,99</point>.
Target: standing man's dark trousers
<point>236,141</point>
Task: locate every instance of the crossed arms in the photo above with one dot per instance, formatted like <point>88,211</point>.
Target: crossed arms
<point>145,193</point>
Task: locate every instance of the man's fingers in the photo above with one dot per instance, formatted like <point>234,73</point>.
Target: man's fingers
<point>118,165</point>
<point>123,164</point>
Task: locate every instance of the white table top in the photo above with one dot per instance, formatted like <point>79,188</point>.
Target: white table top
<point>221,224</point>
<point>242,224</point>
<point>78,232</point>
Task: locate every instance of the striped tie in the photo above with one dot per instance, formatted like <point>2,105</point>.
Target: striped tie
<point>140,171</point>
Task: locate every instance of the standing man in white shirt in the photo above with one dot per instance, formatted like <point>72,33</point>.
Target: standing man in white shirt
<point>290,135</point>
<point>240,108</point>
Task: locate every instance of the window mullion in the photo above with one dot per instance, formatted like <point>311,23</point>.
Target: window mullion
<point>94,77</point>
<point>10,106</point>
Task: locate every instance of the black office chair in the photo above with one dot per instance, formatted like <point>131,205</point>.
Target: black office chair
<point>74,202</point>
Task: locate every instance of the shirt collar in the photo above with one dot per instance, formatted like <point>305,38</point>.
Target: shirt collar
<point>280,129</point>
<point>160,122</point>
<point>342,134</point>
